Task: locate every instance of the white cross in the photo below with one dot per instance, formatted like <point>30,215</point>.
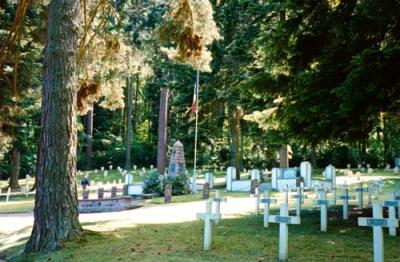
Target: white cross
<point>360,191</point>
<point>299,199</point>
<point>377,222</point>
<point>257,203</point>
<point>284,219</point>
<point>392,204</point>
<point>218,199</point>
<point>323,203</point>
<point>346,199</point>
<point>267,201</point>
<point>208,217</point>
<point>8,194</point>
<point>334,189</point>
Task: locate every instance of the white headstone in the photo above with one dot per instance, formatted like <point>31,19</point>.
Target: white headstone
<point>193,183</point>
<point>275,175</point>
<point>129,179</point>
<point>256,195</point>
<point>330,174</point>
<point>209,178</point>
<point>230,176</point>
<point>396,170</point>
<point>305,172</point>
<point>111,167</point>
<point>255,174</point>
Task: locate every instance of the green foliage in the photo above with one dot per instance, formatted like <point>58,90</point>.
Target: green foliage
<point>153,183</point>
<point>180,184</point>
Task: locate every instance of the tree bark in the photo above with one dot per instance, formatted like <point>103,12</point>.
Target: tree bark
<point>128,134</point>
<point>56,204</point>
<point>16,157</point>
<point>162,132</point>
<point>89,137</point>
<point>234,125</point>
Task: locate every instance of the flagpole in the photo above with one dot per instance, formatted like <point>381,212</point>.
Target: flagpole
<point>197,114</point>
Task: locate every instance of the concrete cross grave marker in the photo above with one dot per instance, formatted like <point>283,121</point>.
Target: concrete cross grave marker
<point>299,196</point>
<point>392,203</point>
<point>102,169</point>
<point>267,201</point>
<point>360,189</point>
<point>345,197</point>
<point>323,202</point>
<point>111,167</point>
<point>208,217</point>
<point>230,175</point>
<point>377,222</point>
<point>168,193</point>
<point>206,190</point>
<point>285,191</point>
<point>105,174</point>
<point>256,195</point>
<point>284,219</point>
<point>218,199</point>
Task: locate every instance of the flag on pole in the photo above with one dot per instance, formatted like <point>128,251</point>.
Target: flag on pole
<point>194,103</point>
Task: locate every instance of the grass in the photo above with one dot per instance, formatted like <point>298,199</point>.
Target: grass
<point>239,239</point>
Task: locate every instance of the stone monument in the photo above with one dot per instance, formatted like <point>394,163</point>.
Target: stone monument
<point>177,164</point>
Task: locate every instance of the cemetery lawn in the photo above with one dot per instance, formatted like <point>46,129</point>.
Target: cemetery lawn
<point>238,239</point>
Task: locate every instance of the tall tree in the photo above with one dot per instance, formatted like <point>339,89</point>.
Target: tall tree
<point>56,203</point>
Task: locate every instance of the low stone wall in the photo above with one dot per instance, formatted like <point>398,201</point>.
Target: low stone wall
<point>107,204</point>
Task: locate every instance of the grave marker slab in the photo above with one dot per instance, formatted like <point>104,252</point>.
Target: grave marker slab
<point>254,184</point>
<point>100,193</point>
<point>256,195</point>
<point>113,191</point>
<point>168,193</point>
<point>206,191</point>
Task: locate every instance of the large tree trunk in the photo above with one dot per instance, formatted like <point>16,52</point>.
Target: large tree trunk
<point>89,137</point>
<point>234,125</point>
<point>56,204</point>
<point>128,135</point>
<point>162,132</point>
<point>16,157</point>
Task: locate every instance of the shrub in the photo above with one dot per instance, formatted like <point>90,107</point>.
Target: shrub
<point>180,184</point>
<point>153,183</point>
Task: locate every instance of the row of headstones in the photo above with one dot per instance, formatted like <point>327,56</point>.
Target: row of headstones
<point>100,193</point>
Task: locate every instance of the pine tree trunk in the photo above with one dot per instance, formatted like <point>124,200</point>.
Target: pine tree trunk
<point>234,125</point>
<point>89,137</point>
<point>16,156</point>
<point>162,132</point>
<point>128,135</point>
<point>56,204</point>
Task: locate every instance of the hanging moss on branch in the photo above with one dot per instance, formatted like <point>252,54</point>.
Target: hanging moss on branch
<point>189,26</point>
